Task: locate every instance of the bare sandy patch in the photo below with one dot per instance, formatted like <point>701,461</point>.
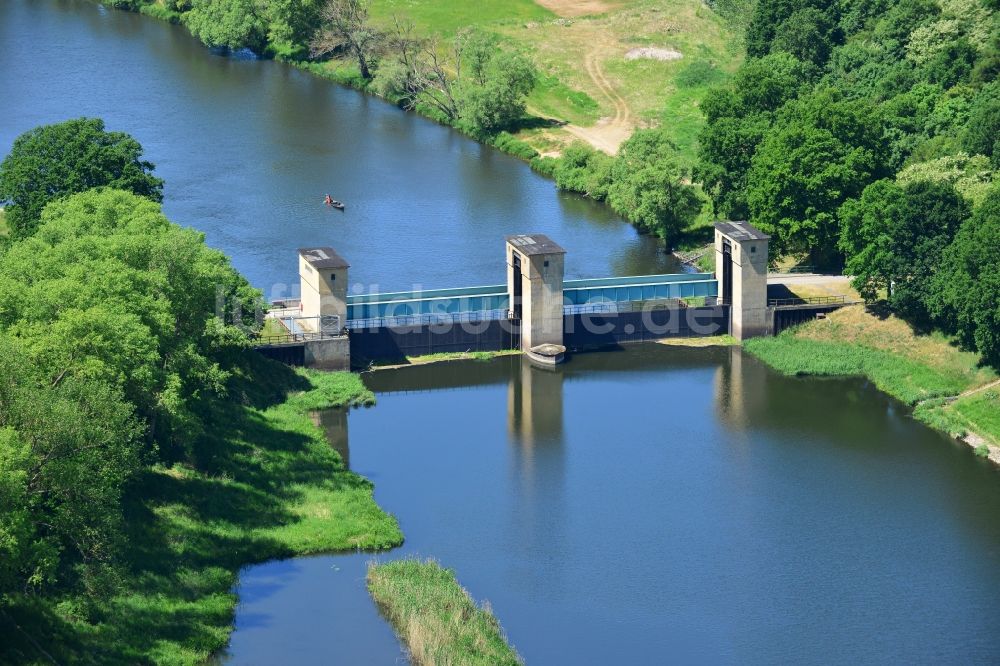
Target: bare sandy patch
<point>571,8</point>
<point>653,53</point>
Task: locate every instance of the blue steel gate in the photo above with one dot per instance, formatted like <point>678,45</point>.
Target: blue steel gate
<point>398,324</point>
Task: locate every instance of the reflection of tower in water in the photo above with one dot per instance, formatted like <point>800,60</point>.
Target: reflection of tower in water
<point>334,425</point>
<point>535,406</point>
<point>740,389</point>
<point>537,519</point>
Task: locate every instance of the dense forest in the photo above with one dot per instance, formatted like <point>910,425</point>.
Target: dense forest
<point>865,136</point>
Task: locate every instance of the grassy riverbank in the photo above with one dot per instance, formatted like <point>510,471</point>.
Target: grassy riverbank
<point>925,371</point>
<point>436,618</point>
<point>581,48</point>
<point>268,486</point>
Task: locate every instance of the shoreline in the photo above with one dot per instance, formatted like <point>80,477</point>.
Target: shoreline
<point>544,164</point>
<point>931,378</point>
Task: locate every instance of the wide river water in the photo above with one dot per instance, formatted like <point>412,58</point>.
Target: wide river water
<point>647,506</point>
<point>249,148</point>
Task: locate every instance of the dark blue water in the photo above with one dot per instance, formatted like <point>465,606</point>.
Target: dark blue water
<point>661,505</point>
<point>249,148</point>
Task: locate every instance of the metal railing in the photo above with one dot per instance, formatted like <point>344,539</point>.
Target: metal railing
<point>614,307</point>
<point>428,319</point>
<point>292,338</point>
<point>808,300</point>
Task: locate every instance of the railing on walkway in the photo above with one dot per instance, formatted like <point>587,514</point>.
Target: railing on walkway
<point>808,300</point>
<point>795,269</point>
<point>429,319</point>
<point>608,307</point>
<point>671,286</point>
<point>438,302</point>
<point>291,338</point>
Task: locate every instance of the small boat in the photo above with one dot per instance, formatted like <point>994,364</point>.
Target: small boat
<point>337,204</point>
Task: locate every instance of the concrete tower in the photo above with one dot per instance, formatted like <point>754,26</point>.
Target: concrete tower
<point>535,266</point>
<point>323,279</point>
<point>741,269</point>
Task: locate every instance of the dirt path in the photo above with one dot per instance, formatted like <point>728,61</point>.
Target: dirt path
<point>571,8</point>
<point>977,390</point>
<point>610,132</point>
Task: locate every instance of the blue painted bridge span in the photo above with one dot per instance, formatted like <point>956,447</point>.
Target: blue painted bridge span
<point>493,301</point>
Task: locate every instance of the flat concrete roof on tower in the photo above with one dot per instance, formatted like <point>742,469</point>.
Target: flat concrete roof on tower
<point>741,231</point>
<point>531,244</point>
<point>323,257</point>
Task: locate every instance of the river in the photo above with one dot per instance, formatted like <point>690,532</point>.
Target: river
<point>646,506</point>
<point>249,148</point>
<point>658,505</point>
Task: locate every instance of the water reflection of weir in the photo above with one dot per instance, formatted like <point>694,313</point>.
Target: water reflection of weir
<point>334,425</point>
<point>537,518</point>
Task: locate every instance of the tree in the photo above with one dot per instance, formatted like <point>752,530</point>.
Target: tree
<point>768,16</point>
<point>648,186</point>
<point>982,134</point>
<point>493,83</point>
<point>66,452</point>
<point>233,24</point>
<point>808,34</point>
<point>53,161</point>
<point>477,83</point>
<point>824,150</point>
<point>894,237</point>
<point>585,170</point>
<point>738,118</point>
<point>109,291</point>
<point>965,292</point>
<point>345,26</point>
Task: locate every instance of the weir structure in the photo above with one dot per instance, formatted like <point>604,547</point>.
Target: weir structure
<point>331,328</point>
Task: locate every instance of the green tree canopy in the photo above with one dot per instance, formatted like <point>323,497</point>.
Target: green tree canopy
<point>738,118</point>
<point>648,185</point>
<point>233,24</point>
<point>808,34</point>
<point>965,294</point>
<point>494,84</point>
<point>109,291</point>
<point>53,161</point>
<point>982,134</point>
<point>824,150</point>
<point>894,237</point>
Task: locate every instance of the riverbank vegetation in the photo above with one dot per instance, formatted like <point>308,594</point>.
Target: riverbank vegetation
<point>435,616</point>
<point>146,452</point>
<point>923,370</point>
<point>535,79</point>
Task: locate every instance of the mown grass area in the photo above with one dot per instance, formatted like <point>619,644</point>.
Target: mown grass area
<point>267,485</point>
<point>435,617</point>
<point>445,17</point>
<point>853,342</point>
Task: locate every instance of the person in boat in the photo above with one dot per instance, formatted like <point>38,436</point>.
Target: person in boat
<point>328,200</point>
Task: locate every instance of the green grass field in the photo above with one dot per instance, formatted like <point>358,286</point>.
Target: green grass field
<point>268,485</point>
<point>435,617</point>
<point>445,18</point>
<point>4,231</point>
